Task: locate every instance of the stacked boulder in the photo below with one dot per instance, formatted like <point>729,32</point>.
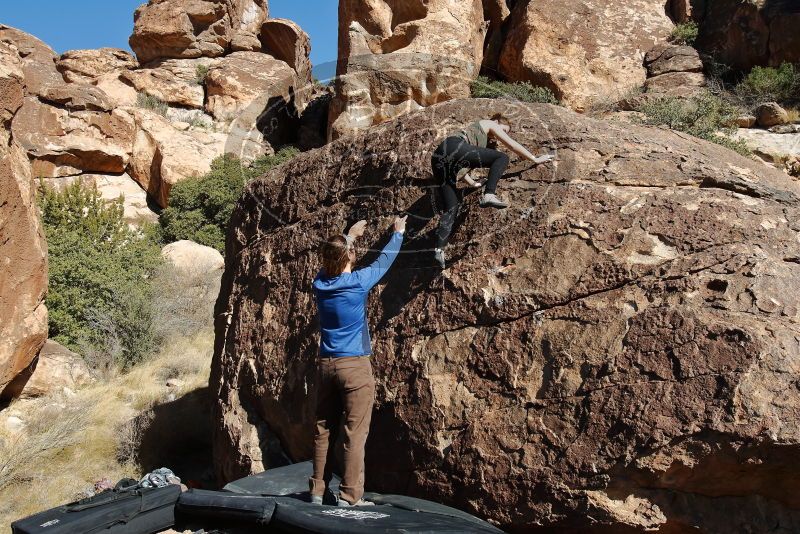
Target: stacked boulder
<point>772,136</point>
<point>208,78</point>
<point>672,71</point>
<point>397,57</point>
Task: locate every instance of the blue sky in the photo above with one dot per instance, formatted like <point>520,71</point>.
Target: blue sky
<point>71,24</point>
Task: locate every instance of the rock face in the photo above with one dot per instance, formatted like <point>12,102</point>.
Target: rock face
<point>399,56</point>
<point>162,156</point>
<point>583,51</point>
<point>195,28</point>
<point>743,34</point>
<point>617,351</point>
<point>23,251</point>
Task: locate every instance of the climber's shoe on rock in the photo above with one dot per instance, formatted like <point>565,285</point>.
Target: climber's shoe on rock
<point>438,255</point>
<point>490,200</point>
<point>316,499</point>
<point>361,502</point>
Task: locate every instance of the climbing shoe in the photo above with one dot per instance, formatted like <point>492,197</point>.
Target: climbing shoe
<point>490,200</point>
<point>361,502</point>
<point>438,254</point>
<point>316,499</point>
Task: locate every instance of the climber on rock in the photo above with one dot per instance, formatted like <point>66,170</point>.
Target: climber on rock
<point>345,385</point>
<point>468,149</point>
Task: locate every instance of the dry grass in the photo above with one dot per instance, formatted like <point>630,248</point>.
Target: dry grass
<point>69,443</point>
<point>794,114</point>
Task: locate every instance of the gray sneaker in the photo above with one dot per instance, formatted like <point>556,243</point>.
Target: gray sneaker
<point>316,499</point>
<point>438,255</point>
<point>490,200</point>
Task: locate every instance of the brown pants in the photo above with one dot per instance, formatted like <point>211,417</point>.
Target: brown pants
<point>346,389</point>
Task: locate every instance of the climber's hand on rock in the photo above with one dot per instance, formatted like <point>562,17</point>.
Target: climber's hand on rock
<point>400,224</point>
<point>544,159</point>
<point>357,230</point>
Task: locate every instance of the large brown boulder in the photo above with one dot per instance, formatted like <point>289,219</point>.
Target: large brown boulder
<point>37,60</point>
<point>399,56</point>
<point>286,40</point>
<point>61,141</point>
<point>617,351</point>
<point>57,369</point>
<point>746,33</point>
<point>87,65</point>
<point>195,28</point>
<point>23,251</point>
<point>177,82</point>
<point>584,51</point>
<point>243,85</point>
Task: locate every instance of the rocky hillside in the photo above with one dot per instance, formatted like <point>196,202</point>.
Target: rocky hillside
<point>616,351</point>
<point>208,78</point>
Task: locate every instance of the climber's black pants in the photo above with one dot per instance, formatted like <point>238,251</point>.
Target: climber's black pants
<point>450,157</point>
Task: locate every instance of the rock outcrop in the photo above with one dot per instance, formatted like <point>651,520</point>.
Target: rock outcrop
<point>615,352</point>
<point>743,34</point>
<point>193,28</point>
<point>190,258</point>
<point>23,251</point>
<point>399,56</point>
<point>583,51</point>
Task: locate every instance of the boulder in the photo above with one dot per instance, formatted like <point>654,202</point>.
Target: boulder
<point>771,147</point>
<point>76,97</point>
<point>36,59</point>
<point>397,57</point>
<point>615,352</point>
<point>111,187</point>
<point>666,58</point>
<point>190,258</point>
<point>58,139</point>
<point>244,85</point>
<point>745,121</point>
<point>584,51</point>
<point>86,66</point>
<point>23,260</point>
<point>286,40</point>
<point>163,155</point>
<point>684,84</point>
<point>194,28</point>
<point>57,368</point>
<point>771,114</point>
<point>177,82</point>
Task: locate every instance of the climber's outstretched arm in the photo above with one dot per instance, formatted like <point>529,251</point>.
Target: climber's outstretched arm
<point>496,131</point>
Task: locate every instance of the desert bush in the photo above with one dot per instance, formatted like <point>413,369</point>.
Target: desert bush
<point>484,87</point>
<point>685,33</point>
<point>703,116</point>
<point>99,294</point>
<point>47,433</point>
<point>200,208</point>
<point>200,73</point>
<point>153,103</point>
<point>770,84</point>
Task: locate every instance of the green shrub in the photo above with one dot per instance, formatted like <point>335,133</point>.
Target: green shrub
<point>769,84</point>
<point>153,103</point>
<point>685,33</point>
<point>703,116</point>
<point>483,87</point>
<point>200,73</point>
<point>99,295</point>
<point>200,208</point>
